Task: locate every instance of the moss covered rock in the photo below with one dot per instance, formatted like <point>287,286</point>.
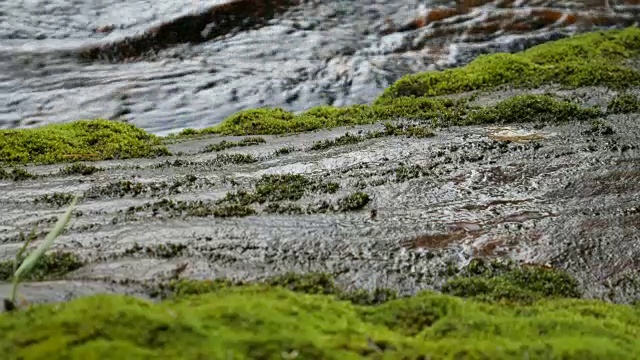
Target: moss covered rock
<point>584,60</point>
<point>79,140</point>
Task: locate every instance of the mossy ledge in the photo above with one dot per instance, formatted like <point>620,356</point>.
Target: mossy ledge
<point>79,140</point>
<point>307,317</point>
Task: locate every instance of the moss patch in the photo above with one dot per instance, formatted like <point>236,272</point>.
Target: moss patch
<point>56,199</point>
<point>233,210</point>
<point>503,281</point>
<point>162,251</point>
<point>405,173</point>
<point>223,145</point>
<point>433,111</point>
<point>285,150</point>
<point>355,201</point>
<point>279,121</point>
<point>123,188</point>
<point>408,130</point>
<point>599,127</point>
<point>307,317</point>
<point>274,188</point>
<point>80,169</point>
<point>346,139</point>
<point>583,60</point>
<point>196,208</point>
<point>219,161</point>
<point>16,174</point>
<point>278,194</point>
<point>624,104</point>
<point>310,283</point>
<point>532,108</point>
<point>50,266</point>
<point>79,140</point>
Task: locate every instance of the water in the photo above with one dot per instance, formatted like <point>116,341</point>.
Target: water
<point>307,54</point>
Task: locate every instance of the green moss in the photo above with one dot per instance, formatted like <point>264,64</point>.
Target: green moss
<point>589,59</point>
<point>163,251</point>
<point>236,159</point>
<point>284,150</point>
<point>253,122</point>
<point>279,121</point>
<point>51,265</point>
<point>233,210</point>
<point>282,187</point>
<point>79,140</point>
<point>310,283</point>
<point>188,132</point>
<point>196,208</point>
<point>583,60</point>
<point>405,173</point>
<point>80,169</point>
<point>186,287</point>
<point>16,174</point>
<point>346,139</point>
<point>219,161</point>
<point>599,127</point>
<point>223,145</point>
<point>433,111</point>
<point>504,281</point>
<point>390,129</point>
<point>123,188</point>
<point>284,208</point>
<point>532,108</point>
<point>352,202</point>
<point>267,322</point>
<point>56,199</point>
<point>624,104</point>
<point>167,251</point>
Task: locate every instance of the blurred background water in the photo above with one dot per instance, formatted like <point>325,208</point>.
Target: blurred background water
<point>309,53</point>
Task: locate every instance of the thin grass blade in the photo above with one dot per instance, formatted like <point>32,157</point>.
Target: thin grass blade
<point>33,257</point>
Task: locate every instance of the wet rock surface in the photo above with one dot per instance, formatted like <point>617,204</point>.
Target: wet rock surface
<point>564,196</point>
<point>166,66</point>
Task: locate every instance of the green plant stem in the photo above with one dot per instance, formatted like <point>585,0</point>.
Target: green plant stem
<point>33,257</point>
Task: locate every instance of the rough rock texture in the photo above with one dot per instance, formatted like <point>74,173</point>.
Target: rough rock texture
<point>563,195</point>
<point>544,177</point>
